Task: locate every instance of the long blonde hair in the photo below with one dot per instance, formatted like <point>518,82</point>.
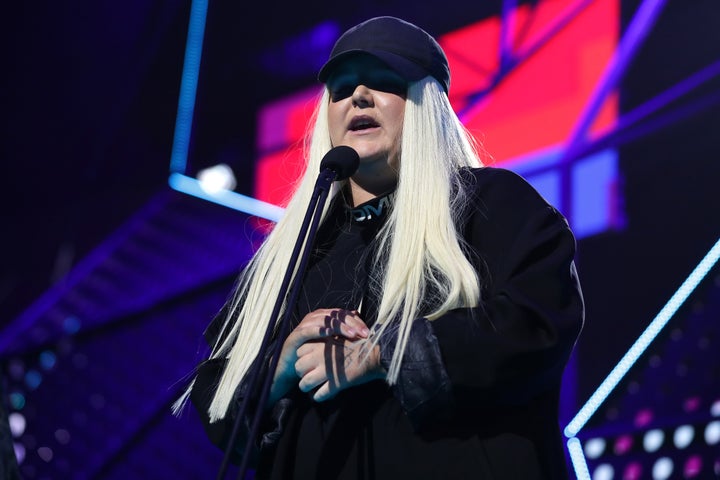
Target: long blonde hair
<point>420,251</point>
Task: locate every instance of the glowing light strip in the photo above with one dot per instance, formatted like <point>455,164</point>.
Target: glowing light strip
<point>633,125</point>
<point>675,92</point>
<point>578,459</point>
<point>227,198</point>
<point>641,344</point>
<point>516,59</point>
<point>633,39</point>
<point>506,28</point>
<point>642,22</point>
<point>558,24</point>
<point>188,86</point>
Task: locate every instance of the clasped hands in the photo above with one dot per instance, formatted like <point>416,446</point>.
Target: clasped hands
<point>325,354</point>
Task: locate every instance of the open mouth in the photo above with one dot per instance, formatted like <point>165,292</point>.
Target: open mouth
<point>362,123</point>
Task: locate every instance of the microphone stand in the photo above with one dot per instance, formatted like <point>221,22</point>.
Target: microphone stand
<point>306,237</point>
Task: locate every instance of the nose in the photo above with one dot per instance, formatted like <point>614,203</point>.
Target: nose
<point>362,96</point>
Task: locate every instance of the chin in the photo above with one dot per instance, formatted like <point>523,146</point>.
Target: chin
<point>368,155</point>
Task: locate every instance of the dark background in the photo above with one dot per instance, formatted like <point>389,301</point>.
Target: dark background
<point>90,92</point>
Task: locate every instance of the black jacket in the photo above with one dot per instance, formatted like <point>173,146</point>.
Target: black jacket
<point>478,391</point>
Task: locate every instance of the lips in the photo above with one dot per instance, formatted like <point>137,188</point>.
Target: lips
<point>362,122</point>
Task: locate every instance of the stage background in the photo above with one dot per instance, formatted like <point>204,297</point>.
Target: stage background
<point>109,275</point>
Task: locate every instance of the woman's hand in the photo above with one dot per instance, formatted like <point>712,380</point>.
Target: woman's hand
<point>333,364</point>
<point>317,325</point>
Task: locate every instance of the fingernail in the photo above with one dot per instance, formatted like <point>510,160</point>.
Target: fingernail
<point>365,332</point>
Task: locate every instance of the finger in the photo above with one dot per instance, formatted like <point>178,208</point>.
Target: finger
<point>325,323</point>
<point>337,323</point>
<point>309,355</point>
<point>302,367</point>
<point>311,347</point>
<point>342,322</point>
<point>309,333</point>
<point>318,316</point>
<point>325,392</point>
<point>353,319</point>
<point>312,379</point>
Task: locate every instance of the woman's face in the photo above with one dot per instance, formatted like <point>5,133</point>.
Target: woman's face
<point>366,110</point>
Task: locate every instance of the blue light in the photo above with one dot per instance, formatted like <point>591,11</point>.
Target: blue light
<point>549,185</point>
<point>71,324</point>
<point>604,471</point>
<point>188,86</point>
<point>683,436</point>
<point>641,344</point>
<point>17,400</point>
<point>47,360</point>
<point>595,447</point>
<point>712,433</point>
<point>593,200</point>
<point>662,469</point>
<point>653,440</point>
<point>578,459</point>
<point>227,198</point>
<point>33,379</point>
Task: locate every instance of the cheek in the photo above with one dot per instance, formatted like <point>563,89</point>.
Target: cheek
<point>398,115</point>
<point>333,130</point>
<point>333,125</point>
<point>399,125</point>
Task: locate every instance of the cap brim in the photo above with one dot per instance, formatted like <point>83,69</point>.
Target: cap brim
<point>408,69</point>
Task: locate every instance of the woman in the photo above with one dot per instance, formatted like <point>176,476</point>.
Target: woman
<point>439,307</point>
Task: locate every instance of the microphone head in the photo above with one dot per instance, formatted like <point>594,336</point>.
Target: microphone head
<point>342,160</point>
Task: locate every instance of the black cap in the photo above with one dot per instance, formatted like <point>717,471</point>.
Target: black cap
<point>402,46</point>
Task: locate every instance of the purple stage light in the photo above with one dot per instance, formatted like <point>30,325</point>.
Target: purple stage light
<point>623,444</point>
<point>691,404</point>
<point>633,471</point>
<point>693,467</point>
<point>643,417</point>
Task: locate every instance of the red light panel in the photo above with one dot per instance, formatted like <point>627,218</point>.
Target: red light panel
<point>534,107</point>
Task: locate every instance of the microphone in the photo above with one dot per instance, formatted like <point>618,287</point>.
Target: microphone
<point>342,160</point>
<point>337,164</point>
